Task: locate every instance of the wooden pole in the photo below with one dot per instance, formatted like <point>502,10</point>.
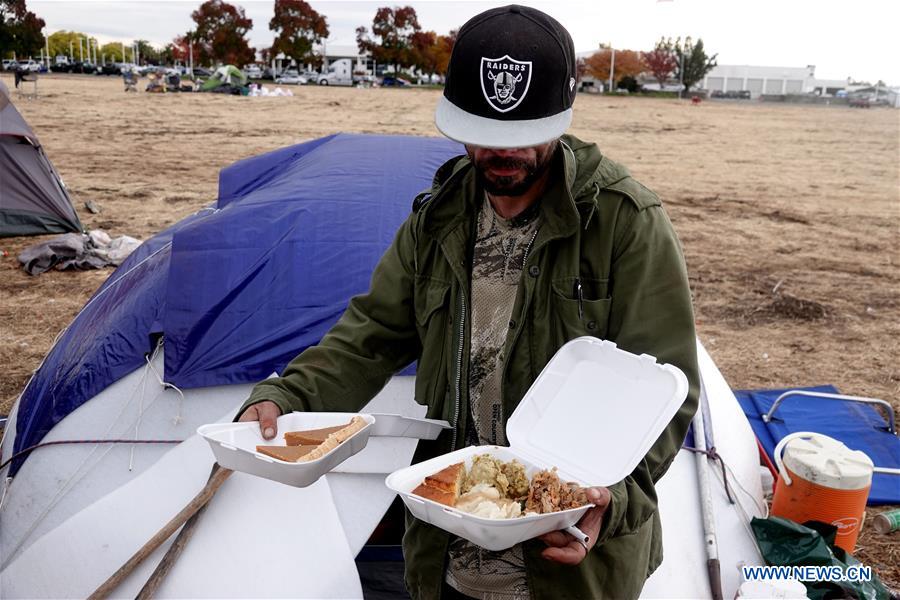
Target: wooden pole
<point>216,480</point>
<point>171,556</point>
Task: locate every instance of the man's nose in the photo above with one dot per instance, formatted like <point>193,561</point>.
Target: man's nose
<point>506,152</point>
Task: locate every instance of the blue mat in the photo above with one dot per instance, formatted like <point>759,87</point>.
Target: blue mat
<point>858,426</point>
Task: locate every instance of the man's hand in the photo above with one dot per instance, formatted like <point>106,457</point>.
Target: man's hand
<point>565,549</point>
<point>265,412</point>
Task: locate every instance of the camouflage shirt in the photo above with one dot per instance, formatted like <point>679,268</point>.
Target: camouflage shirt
<point>501,250</point>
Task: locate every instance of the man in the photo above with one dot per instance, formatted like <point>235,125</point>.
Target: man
<point>531,239</point>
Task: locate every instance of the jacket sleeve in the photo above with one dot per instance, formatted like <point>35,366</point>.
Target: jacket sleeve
<point>374,338</point>
<point>650,313</point>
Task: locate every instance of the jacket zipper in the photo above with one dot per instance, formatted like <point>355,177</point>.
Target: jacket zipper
<point>459,361</point>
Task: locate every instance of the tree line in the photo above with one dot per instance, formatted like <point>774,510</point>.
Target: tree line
<point>685,61</point>
<point>395,38</point>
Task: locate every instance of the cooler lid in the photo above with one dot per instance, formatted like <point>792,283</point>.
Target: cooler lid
<point>595,410</point>
<point>828,462</point>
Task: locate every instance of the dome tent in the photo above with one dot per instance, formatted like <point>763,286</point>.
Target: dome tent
<point>235,308</point>
<point>228,75</point>
<point>33,200</point>
<point>211,305</point>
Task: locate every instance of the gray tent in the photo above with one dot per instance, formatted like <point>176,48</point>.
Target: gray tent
<point>33,200</point>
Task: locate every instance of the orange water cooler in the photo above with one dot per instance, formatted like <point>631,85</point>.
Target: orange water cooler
<point>821,479</point>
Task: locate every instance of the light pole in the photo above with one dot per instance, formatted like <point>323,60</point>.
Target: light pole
<point>81,49</point>
<point>612,67</point>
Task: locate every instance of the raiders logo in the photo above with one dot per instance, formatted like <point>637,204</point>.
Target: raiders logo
<point>505,81</point>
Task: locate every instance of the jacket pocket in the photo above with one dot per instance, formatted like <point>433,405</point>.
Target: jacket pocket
<point>575,317</point>
<point>432,315</point>
<point>430,297</point>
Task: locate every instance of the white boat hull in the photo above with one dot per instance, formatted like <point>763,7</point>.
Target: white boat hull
<point>74,514</point>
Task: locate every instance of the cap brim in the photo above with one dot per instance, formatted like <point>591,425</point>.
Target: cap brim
<point>467,128</point>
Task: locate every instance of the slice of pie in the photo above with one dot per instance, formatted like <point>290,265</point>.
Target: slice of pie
<point>311,436</point>
<point>286,453</point>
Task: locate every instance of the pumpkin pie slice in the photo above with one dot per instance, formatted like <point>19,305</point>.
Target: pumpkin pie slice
<point>286,453</point>
<point>310,437</point>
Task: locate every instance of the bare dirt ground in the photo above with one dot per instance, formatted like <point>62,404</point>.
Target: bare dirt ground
<point>789,215</point>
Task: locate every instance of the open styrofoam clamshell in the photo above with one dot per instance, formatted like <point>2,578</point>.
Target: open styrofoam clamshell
<point>594,412</point>
<point>234,446</point>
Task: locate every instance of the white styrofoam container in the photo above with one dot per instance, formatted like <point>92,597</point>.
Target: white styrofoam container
<point>234,446</point>
<point>593,412</point>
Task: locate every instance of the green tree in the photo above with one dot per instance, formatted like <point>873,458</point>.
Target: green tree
<point>694,63</point>
<point>59,43</point>
<point>298,29</point>
<point>112,52</point>
<point>20,29</point>
<point>220,35</point>
<point>147,52</point>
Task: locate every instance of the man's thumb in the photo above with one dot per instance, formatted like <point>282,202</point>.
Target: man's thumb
<point>267,424</point>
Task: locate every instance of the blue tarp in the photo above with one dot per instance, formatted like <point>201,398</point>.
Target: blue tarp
<point>240,288</point>
<point>858,426</point>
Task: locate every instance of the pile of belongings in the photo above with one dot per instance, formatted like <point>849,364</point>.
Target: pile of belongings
<point>261,90</point>
<point>93,250</point>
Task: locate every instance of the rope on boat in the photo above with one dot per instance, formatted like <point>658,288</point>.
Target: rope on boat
<point>711,453</point>
<point>59,442</point>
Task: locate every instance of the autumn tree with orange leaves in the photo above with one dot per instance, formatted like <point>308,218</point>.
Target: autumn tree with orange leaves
<point>432,51</point>
<point>628,64</point>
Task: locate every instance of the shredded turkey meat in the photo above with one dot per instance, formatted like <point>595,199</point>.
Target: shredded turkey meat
<point>548,494</point>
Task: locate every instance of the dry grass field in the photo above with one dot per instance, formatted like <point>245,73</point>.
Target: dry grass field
<point>789,215</point>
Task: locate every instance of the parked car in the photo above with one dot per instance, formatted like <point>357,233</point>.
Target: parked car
<point>202,72</point>
<point>392,81</point>
<point>110,69</point>
<point>61,67</point>
<point>83,67</point>
<point>253,72</point>
<point>291,77</point>
<point>29,65</point>
<point>860,102</point>
<point>10,64</point>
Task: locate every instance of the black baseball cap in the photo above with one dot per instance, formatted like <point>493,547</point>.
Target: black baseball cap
<point>510,81</point>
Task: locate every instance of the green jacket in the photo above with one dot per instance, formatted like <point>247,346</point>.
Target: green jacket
<point>599,225</point>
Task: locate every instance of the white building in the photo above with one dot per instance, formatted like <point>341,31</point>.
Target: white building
<point>770,80</point>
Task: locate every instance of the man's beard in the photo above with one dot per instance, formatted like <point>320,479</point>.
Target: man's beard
<point>511,186</point>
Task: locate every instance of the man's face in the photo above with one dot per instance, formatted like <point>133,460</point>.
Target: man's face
<point>510,171</point>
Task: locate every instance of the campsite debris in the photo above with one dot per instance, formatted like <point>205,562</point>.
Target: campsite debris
<point>887,522</point>
<point>783,542</point>
<point>94,250</point>
<point>92,207</point>
<point>256,91</point>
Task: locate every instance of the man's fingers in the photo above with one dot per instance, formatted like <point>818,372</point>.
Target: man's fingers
<point>571,554</point>
<point>249,414</point>
<point>266,412</point>
<point>556,538</point>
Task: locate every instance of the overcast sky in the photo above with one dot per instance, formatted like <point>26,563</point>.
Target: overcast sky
<point>841,38</point>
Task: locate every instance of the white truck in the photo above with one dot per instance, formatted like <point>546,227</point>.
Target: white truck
<point>340,72</point>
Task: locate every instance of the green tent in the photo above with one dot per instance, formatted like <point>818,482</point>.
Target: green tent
<point>227,75</point>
